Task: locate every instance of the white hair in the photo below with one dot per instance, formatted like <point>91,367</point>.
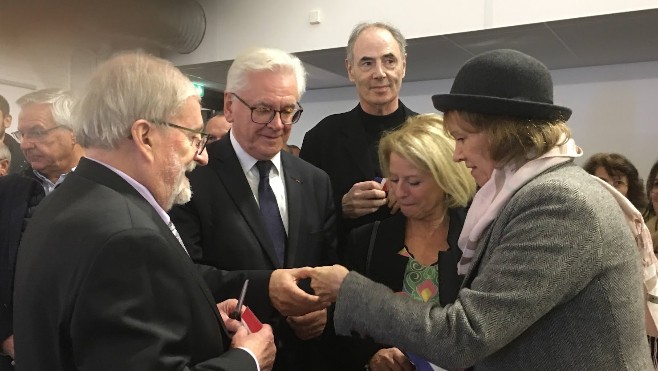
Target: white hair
<point>264,59</point>
<point>128,87</point>
<point>61,102</point>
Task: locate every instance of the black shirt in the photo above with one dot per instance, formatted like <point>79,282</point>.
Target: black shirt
<point>375,127</point>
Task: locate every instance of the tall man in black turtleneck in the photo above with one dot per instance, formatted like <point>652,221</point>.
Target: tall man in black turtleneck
<point>345,145</point>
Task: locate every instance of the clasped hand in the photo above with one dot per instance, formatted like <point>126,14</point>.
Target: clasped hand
<point>290,300</point>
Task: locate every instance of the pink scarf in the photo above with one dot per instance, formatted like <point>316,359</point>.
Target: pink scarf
<point>491,198</point>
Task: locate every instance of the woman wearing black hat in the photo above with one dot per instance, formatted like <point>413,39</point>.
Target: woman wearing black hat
<point>552,273</point>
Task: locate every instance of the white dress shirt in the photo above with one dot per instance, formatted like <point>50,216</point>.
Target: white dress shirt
<point>248,164</point>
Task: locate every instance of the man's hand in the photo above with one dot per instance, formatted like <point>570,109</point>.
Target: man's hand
<point>326,281</point>
<point>310,325</point>
<point>288,298</point>
<point>392,200</point>
<point>260,343</point>
<point>362,199</point>
<point>226,307</point>
<point>8,346</point>
<point>391,359</point>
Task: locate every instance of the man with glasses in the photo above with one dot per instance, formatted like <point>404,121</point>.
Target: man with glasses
<point>345,144</point>
<point>46,137</point>
<point>102,280</point>
<point>258,212</point>
<point>18,163</point>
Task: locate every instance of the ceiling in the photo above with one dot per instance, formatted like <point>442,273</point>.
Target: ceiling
<point>590,41</point>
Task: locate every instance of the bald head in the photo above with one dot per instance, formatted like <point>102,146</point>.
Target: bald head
<point>218,126</point>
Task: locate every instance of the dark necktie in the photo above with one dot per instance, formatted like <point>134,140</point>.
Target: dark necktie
<point>269,210</point>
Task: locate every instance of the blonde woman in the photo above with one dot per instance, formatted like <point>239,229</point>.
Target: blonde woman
<point>414,252</point>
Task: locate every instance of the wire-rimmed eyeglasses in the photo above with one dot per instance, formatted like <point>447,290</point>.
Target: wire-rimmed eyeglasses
<point>197,141</point>
<point>37,134</point>
<point>264,115</point>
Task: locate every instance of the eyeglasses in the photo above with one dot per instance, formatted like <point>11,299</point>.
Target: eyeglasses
<point>36,135</point>
<point>264,115</point>
<point>198,142</point>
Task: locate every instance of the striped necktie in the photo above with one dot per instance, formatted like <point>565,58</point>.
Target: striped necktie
<point>172,227</point>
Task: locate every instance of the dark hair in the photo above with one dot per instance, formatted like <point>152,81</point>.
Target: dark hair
<point>359,28</point>
<point>649,211</point>
<point>4,106</point>
<point>616,164</point>
<point>515,139</point>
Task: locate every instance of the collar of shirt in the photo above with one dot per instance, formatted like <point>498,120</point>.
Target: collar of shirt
<point>247,162</point>
<point>147,196</point>
<point>47,185</point>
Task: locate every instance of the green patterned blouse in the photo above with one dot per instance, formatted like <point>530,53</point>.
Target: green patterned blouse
<point>420,282</point>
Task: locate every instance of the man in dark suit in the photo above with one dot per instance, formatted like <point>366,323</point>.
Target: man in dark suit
<point>46,136</point>
<point>102,282</point>
<point>19,196</point>
<point>227,225</point>
<point>345,144</point>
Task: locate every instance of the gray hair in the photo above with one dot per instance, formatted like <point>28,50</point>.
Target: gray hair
<point>5,154</point>
<point>264,59</point>
<point>128,87</point>
<point>61,103</point>
<point>359,28</point>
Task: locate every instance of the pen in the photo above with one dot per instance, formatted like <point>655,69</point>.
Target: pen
<point>237,313</point>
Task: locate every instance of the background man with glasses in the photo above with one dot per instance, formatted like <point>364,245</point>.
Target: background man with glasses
<point>217,126</point>
<point>258,212</point>
<point>46,137</point>
<point>102,281</point>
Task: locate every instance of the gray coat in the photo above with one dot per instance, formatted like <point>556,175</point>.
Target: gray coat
<point>555,285</point>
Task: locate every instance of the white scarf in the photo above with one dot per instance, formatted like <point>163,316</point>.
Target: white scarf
<point>495,193</point>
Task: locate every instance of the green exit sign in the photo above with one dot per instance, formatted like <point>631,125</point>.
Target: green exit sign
<point>199,89</point>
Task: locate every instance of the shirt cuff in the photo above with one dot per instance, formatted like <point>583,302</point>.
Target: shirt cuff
<point>252,356</point>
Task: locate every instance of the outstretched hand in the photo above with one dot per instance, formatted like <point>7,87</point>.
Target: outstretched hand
<point>326,281</point>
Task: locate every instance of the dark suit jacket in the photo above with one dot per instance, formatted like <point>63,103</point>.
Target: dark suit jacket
<point>387,267</point>
<point>222,228</point>
<point>19,196</point>
<point>102,284</point>
<point>338,145</point>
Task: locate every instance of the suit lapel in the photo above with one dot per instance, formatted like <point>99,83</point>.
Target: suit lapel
<point>104,176</point>
<point>230,173</point>
<point>294,184</point>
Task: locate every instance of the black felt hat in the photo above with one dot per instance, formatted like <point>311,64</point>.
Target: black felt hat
<point>503,82</point>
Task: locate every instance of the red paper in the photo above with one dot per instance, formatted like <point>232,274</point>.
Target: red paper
<point>250,321</point>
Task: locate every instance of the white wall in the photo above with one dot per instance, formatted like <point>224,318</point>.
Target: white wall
<point>615,108</point>
<point>234,25</point>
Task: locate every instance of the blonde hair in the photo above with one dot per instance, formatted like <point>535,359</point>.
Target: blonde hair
<point>423,141</point>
